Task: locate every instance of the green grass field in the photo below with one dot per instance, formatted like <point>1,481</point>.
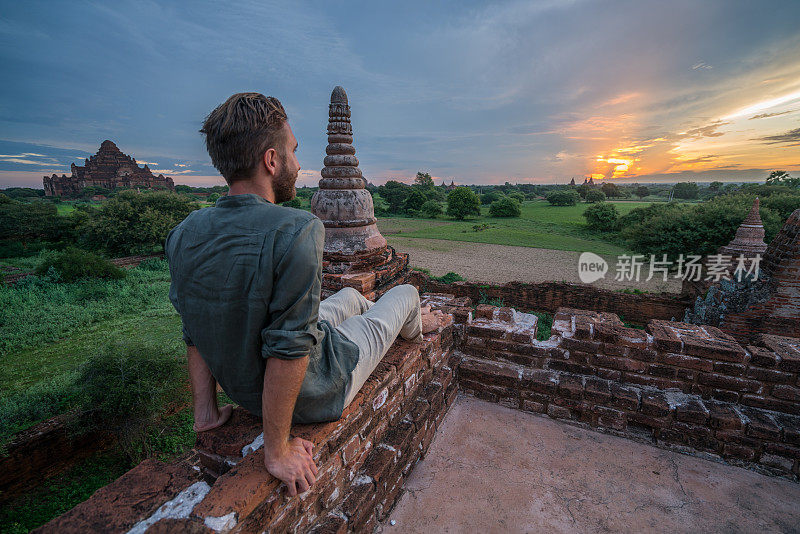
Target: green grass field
<point>540,226</point>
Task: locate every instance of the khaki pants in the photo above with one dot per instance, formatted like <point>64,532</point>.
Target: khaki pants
<point>373,326</point>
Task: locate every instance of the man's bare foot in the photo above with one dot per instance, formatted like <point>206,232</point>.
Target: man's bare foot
<point>224,415</point>
<point>432,320</point>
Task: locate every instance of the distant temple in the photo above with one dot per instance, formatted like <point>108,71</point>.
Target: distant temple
<point>110,169</point>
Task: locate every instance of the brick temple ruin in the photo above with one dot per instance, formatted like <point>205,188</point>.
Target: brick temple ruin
<point>729,394</point>
<point>110,168</point>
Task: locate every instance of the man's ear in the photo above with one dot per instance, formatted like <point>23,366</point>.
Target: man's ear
<point>271,161</point>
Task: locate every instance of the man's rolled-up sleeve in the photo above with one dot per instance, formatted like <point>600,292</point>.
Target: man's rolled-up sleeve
<point>292,331</point>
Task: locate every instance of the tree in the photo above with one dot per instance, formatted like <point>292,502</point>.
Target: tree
<point>611,190</point>
<point>782,178</point>
<point>564,197</point>
<point>136,223</point>
<point>424,181</point>
<point>31,221</point>
<point>293,203</point>
<point>414,201</point>
<point>686,190</point>
<point>213,197</point>
<point>520,197</point>
<point>490,196</point>
<point>463,202</point>
<point>505,207</point>
<point>602,216</point>
<point>395,194</point>
<point>430,209</point>
<point>595,195</point>
<point>642,191</point>
<point>584,189</point>
<point>715,186</point>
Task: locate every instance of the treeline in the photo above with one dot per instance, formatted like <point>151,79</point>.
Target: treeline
<point>128,223</point>
<point>674,228</point>
<point>426,200</point>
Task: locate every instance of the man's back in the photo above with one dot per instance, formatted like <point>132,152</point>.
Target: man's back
<point>246,279</point>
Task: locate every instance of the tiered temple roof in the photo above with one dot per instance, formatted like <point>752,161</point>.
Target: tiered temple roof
<point>109,169</point>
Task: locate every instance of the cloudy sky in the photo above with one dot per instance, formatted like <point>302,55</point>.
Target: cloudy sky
<point>532,91</point>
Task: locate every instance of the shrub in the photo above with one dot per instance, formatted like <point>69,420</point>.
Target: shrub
<point>505,207</point>
<point>519,197</point>
<point>449,278</point>
<point>127,387</point>
<point>610,190</point>
<point>564,197</point>
<point>41,401</point>
<point>595,195</point>
<point>74,264</point>
<point>491,196</point>
<point>414,201</point>
<point>601,216</point>
<point>293,203</point>
<point>687,190</point>
<point>136,223</point>
<point>463,202</point>
<point>431,209</point>
<point>394,193</point>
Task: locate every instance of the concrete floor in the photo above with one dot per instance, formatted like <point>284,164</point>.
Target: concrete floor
<point>494,469</point>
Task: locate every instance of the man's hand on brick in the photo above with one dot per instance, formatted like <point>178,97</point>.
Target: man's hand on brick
<point>293,464</point>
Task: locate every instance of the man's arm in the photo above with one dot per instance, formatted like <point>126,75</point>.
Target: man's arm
<point>288,459</point>
<point>207,414</point>
<point>288,340</point>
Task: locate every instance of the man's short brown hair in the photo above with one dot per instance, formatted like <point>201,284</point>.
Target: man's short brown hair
<point>240,130</point>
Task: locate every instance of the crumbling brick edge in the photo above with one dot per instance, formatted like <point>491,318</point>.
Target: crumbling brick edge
<point>684,387</point>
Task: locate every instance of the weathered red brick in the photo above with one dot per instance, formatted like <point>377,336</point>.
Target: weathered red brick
<point>654,403</point>
<point>761,424</point>
<point>621,364</point>
<point>692,410</point>
<point>597,389</point>
<point>610,418</point>
<point>723,416</point>
<point>729,382</point>
<point>624,397</point>
<point>687,362</point>
<point>785,392</point>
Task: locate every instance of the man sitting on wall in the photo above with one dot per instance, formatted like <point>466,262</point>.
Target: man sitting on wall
<point>246,281</point>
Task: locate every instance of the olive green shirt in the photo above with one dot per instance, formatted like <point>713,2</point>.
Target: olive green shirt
<point>246,281</point>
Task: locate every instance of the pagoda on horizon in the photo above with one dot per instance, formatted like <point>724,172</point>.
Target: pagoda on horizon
<point>110,168</point>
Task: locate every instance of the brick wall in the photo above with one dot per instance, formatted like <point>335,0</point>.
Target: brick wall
<point>550,296</point>
<point>675,383</point>
<point>223,486</point>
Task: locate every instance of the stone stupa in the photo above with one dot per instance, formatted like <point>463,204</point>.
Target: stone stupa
<point>355,254</point>
<point>749,238</point>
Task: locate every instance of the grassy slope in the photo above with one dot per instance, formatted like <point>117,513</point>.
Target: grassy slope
<point>540,226</point>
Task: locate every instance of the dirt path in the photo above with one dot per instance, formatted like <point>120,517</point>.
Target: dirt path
<point>502,263</point>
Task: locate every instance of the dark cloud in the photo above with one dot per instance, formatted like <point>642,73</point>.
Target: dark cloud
<point>768,115</point>
<point>706,131</point>
<point>790,138</point>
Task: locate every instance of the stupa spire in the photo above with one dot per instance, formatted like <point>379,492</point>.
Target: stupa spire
<point>749,238</point>
<point>355,252</point>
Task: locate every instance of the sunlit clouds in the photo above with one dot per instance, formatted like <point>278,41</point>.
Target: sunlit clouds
<point>469,91</point>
